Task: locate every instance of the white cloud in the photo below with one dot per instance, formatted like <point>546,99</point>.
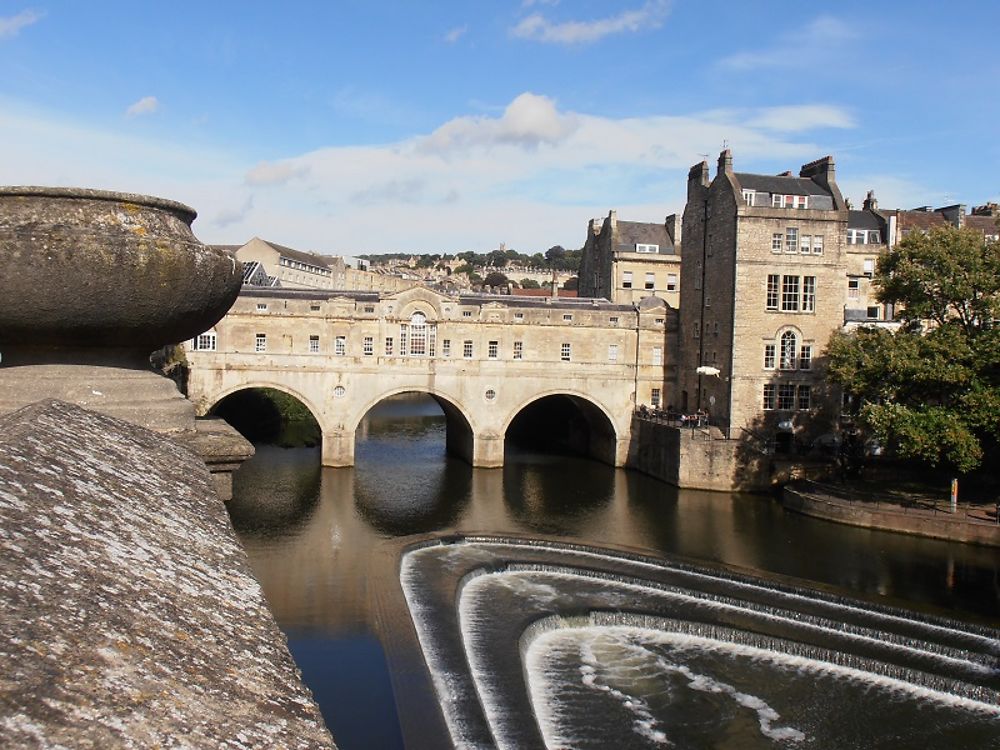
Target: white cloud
<point>801,117</point>
<point>539,28</point>
<point>824,33</point>
<point>145,106</point>
<point>531,176</point>
<point>455,34</point>
<point>11,25</point>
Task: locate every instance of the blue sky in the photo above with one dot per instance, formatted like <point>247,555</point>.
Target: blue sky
<point>351,127</point>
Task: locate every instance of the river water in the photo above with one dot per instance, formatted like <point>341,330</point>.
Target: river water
<point>557,561</point>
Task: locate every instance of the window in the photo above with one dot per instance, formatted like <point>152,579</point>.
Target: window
<point>715,328</point>
<point>805,357</point>
<point>790,293</point>
<point>748,197</point>
<point>817,244</point>
<point>612,352</point>
<point>313,308</point>
<point>416,334</point>
<point>567,318</point>
<point>808,294</point>
<point>768,356</point>
<point>388,346</point>
<point>261,307</point>
<point>446,348</point>
<point>853,288</point>
<point>518,316</point>
<point>869,267</point>
<point>493,349</point>
<point>777,242</point>
<point>773,282</point>
<point>657,355</point>
<point>518,349</point>
<point>654,398</point>
<point>697,329</point>
<point>565,350</point>
<point>260,342</point>
<point>874,237</point>
<point>658,321</point>
<point>769,395</point>
<point>708,301</point>
<point>205,342</point>
<point>789,345</point>
<point>467,349</point>
<point>863,237</point>
<point>786,396</point>
<point>671,282</point>
<point>789,201</point>
<point>314,344</point>
<point>613,320</point>
<point>490,394</point>
<point>466,313</point>
<point>369,309</point>
<point>627,280</point>
<point>805,396</point>
<point>368,346</point>
<point>791,239</point>
<point>805,244</point>
<point>646,248</point>
<point>340,346</point>
<point>650,281</point>
<point>873,312</point>
<point>339,391</point>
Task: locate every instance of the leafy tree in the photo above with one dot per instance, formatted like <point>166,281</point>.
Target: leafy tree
<point>931,389</point>
<point>530,284</point>
<point>495,279</point>
<point>464,268</point>
<point>571,284</point>
<point>555,254</point>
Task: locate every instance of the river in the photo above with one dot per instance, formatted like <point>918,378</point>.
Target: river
<point>326,545</point>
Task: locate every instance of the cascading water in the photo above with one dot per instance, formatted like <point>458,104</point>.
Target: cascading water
<point>604,649</point>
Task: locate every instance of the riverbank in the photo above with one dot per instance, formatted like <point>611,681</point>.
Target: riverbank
<point>891,506</point>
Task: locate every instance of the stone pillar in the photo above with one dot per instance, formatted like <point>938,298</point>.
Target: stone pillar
<point>338,448</point>
<point>488,451</point>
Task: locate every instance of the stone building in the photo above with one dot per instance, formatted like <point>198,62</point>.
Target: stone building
<point>762,290</point>
<point>627,261</point>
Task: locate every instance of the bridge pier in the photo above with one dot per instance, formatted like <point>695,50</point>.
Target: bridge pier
<point>488,451</point>
<point>338,448</point>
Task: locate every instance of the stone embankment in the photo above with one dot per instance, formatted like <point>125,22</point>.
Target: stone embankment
<point>129,617</point>
<point>973,524</point>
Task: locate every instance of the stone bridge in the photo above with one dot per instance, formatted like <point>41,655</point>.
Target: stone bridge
<point>484,359</point>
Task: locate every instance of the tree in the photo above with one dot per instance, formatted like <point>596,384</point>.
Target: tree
<point>571,284</point>
<point>530,284</point>
<point>495,279</point>
<point>931,390</point>
<point>554,255</point>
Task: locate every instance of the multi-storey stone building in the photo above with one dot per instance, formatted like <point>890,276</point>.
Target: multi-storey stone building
<point>762,290</point>
<point>627,261</point>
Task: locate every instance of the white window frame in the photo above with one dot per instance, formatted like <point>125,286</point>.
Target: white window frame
<point>645,247</point>
<point>657,355</point>
<point>340,346</point>
<point>467,349</point>
<point>260,342</point>
<point>313,343</point>
<point>518,350</point>
<point>368,346</point>
<point>650,280</point>
<point>612,352</point>
<point>493,349</point>
<point>671,282</point>
<point>565,352</point>
<point>626,279</point>
<point>205,342</point>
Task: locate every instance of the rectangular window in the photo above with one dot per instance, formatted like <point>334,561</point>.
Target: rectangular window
<point>773,284</point>
<point>777,201</point>
<point>786,396</point>
<point>260,342</point>
<point>873,312</point>
<point>708,301</point>
<point>817,244</point>
<point>805,357</point>
<point>613,320</point>
<point>612,352</point>
<point>768,396</point>
<point>869,266</point>
<point>697,329</point>
<point>715,328</point>
<point>654,398</point>
<point>518,316</point>
<point>657,355</point>
<point>805,396</point>
<point>627,280</point>
<point>777,242</point>
<point>768,356</point>
<point>518,349</point>
<point>565,350</point>
<point>388,346</point>
<point>567,318</point>
<point>340,346</point>
<point>314,344</point>
<point>853,288</point>
<point>466,313</point>
<point>368,346</point>
<point>205,342</point>
<point>313,308</point>
<point>446,347</point>
<point>261,307</point>
<point>646,248</point>
<point>874,237</point>
<point>805,244</point>
<point>808,294</point>
<point>493,349</point>
<point>790,293</point>
<point>671,282</point>
<point>650,281</point>
<point>369,309</point>
<point>467,349</point>
<point>748,197</point>
<point>791,239</point>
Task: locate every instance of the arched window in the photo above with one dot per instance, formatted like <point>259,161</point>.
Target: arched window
<point>789,349</point>
<point>417,338</point>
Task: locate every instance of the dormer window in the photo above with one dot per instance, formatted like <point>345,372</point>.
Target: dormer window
<point>789,201</point>
<point>646,248</point>
<point>748,196</point>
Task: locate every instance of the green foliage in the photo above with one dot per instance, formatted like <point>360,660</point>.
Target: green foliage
<point>495,279</point>
<point>571,284</point>
<point>931,390</point>
<point>530,284</point>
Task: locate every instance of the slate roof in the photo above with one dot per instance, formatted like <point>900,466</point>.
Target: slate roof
<point>863,220</point>
<point>312,259</point>
<point>985,224</point>
<point>777,184</point>
<point>920,219</point>
<point>632,232</point>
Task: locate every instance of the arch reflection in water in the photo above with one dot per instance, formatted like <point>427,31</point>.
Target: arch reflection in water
<point>611,650</point>
<point>276,493</point>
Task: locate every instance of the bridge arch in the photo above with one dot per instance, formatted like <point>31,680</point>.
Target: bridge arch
<point>599,440</point>
<point>460,435</point>
<point>211,404</point>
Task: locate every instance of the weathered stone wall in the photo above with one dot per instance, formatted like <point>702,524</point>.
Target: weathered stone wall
<point>129,617</point>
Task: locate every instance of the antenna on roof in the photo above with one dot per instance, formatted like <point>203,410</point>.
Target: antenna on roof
<point>725,143</point>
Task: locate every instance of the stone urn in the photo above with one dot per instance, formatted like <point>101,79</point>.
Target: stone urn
<point>92,283</point>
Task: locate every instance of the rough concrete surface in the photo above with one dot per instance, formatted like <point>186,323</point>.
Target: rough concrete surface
<point>129,617</point>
